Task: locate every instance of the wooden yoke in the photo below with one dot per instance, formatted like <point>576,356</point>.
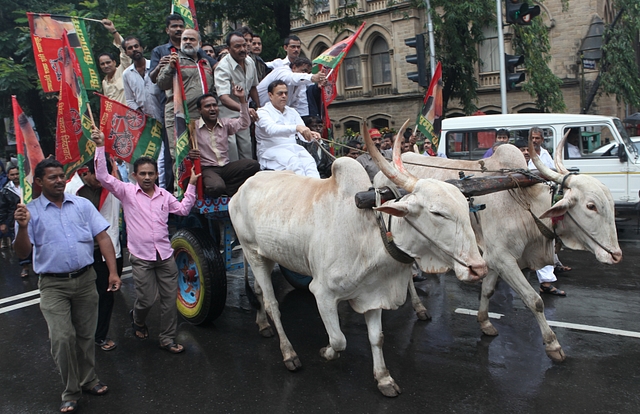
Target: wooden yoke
<point>469,187</point>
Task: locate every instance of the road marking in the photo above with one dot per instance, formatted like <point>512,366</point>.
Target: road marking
<point>126,274</point>
<point>20,296</point>
<point>19,305</point>
<point>577,326</point>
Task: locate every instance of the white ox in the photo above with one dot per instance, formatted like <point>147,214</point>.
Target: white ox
<point>508,235</point>
<point>313,227</point>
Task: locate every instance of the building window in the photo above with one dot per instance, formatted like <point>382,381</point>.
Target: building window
<point>354,126</point>
<point>320,6</point>
<point>488,51</point>
<point>380,62</point>
<point>351,66</point>
<point>380,123</point>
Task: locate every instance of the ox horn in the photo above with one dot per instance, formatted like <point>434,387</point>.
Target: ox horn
<point>559,154</point>
<point>396,172</point>
<point>542,168</point>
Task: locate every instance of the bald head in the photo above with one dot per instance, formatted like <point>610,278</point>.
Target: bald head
<point>190,42</point>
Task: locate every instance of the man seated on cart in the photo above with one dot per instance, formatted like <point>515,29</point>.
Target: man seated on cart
<point>220,176</point>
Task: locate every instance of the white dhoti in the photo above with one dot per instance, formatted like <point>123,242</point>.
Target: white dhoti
<point>292,157</point>
<point>546,274</point>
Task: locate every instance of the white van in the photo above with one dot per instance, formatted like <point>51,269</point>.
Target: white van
<point>606,151</point>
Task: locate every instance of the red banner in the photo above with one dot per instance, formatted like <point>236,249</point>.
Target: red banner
<point>29,152</point>
<point>129,134</point>
<point>47,39</point>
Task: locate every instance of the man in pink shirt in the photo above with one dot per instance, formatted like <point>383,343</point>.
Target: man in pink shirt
<point>146,211</point>
<point>220,176</point>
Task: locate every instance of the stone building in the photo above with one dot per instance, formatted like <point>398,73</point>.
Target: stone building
<point>373,84</point>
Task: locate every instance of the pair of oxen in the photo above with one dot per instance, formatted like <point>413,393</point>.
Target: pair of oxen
<point>313,227</point>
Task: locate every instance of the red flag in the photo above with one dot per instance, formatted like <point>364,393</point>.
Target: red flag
<point>329,62</point>
<point>47,38</point>
<point>430,116</point>
<point>73,147</point>
<point>29,151</point>
<point>129,134</point>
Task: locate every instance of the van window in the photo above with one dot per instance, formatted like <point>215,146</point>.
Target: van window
<point>470,145</point>
<point>593,141</point>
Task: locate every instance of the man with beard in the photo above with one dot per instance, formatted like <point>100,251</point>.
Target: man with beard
<point>220,176</point>
<point>112,86</point>
<point>236,70</point>
<point>160,54</point>
<point>197,79</point>
<point>366,160</point>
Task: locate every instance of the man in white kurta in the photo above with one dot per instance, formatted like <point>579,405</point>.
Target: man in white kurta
<point>276,131</point>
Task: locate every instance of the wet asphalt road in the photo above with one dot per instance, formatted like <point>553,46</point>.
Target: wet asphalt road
<point>443,366</point>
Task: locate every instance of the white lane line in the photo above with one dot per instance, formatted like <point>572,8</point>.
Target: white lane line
<point>577,326</point>
<point>6,309</point>
<point>20,296</point>
<point>20,305</point>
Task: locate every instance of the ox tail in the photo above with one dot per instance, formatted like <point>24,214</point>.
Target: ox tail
<point>251,295</point>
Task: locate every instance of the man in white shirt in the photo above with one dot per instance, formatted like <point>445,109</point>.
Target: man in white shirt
<point>296,76</point>
<point>112,86</point>
<point>536,136</point>
<point>276,131</point>
<point>292,46</point>
<point>235,69</point>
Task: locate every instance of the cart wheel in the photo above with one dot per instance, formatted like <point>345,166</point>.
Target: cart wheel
<point>296,280</point>
<point>202,276</point>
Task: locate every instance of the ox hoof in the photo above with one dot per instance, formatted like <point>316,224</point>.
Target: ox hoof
<point>329,354</point>
<point>489,330</point>
<point>266,332</point>
<point>556,355</point>
<point>389,388</point>
<point>423,315</point>
<point>293,363</point>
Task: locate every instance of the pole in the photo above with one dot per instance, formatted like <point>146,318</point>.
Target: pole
<point>432,48</point>
<point>503,74</point>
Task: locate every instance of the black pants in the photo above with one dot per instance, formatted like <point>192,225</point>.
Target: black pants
<point>227,179</point>
<point>106,299</point>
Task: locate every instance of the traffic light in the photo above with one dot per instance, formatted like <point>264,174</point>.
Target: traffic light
<point>418,59</point>
<point>520,13</point>
<point>513,78</point>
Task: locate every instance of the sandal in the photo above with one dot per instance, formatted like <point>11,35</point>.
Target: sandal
<point>562,269</point>
<point>107,345</point>
<point>99,389</point>
<point>140,332</point>
<point>552,290</point>
<point>69,406</point>
<point>24,273</point>
<point>173,347</point>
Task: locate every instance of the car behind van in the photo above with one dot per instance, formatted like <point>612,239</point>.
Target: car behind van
<point>602,149</point>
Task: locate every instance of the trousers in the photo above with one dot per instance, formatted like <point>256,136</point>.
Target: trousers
<point>228,178</point>
<point>70,308</point>
<point>106,299</point>
<point>152,279</point>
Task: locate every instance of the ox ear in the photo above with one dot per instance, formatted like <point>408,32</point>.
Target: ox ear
<point>398,209</point>
<point>561,207</point>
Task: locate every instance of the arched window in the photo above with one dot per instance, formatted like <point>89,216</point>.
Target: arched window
<point>380,123</point>
<point>317,51</point>
<point>351,65</point>
<point>380,62</point>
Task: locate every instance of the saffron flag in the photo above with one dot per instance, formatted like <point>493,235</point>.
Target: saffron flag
<point>47,32</point>
<point>186,9</point>
<point>329,63</point>
<point>73,130</point>
<point>29,151</point>
<point>181,136</point>
<point>129,134</point>
<point>429,119</point>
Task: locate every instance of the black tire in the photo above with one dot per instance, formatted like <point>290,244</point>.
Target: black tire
<point>202,276</point>
<point>296,280</point>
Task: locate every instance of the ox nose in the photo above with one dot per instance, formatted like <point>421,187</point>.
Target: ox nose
<point>478,270</point>
<point>616,256</point>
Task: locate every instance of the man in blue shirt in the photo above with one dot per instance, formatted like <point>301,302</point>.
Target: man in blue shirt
<point>60,228</point>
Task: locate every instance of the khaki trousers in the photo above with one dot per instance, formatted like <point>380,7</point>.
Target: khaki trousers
<point>70,307</point>
<point>152,279</point>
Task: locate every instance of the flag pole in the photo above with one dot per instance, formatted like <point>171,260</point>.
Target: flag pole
<point>93,123</point>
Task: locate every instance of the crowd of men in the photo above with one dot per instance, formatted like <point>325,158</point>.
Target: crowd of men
<point>249,115</point>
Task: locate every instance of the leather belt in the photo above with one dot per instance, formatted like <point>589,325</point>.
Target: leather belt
<point>70,275</point>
